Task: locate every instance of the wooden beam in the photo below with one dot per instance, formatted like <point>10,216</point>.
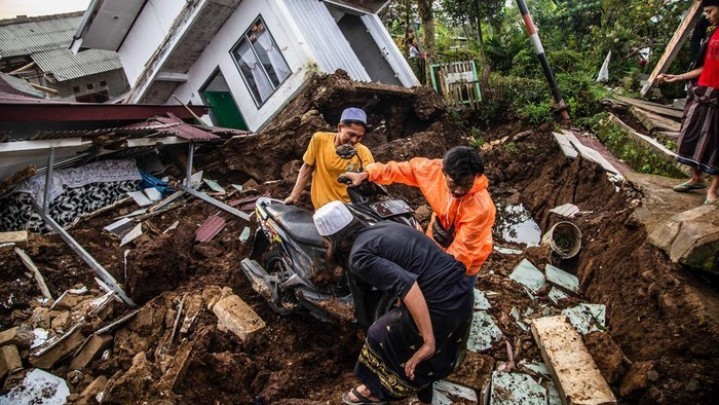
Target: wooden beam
<point>653,122</point>
<point>675,44</point>
<point>28,263</point>
<point>573,369</point>
<point>661,110</point>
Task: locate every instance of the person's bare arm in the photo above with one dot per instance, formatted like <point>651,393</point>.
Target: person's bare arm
<point>667,78</point>
<point>302,179</point>
<point>417,306</point>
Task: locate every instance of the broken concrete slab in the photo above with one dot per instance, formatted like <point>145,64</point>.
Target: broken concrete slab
<point>215,186</point>
<point>529,275</point>
<point>9,360</point>
<point>89,394</point>
<point>153,194</point>
<point>690,237</point>
<point>46,357</point>
<point>516,388</point>
<point>482,333</point>
<point>140,198</point>
<point>177,367</point>
<point>38,387</point>
<point>573,369</point>
<point>447,393</point>
<point>93,345</point>
<point>234,315</point>
<point>566,145</point>
<point>561,278</point>
<point>587,318</point>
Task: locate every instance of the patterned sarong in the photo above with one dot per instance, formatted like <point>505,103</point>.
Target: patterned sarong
<point>699,136</point>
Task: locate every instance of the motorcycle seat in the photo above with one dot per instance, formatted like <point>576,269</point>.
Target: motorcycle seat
<point>297,222</point>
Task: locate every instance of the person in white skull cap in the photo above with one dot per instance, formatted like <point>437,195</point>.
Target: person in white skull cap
<point>415,343</point>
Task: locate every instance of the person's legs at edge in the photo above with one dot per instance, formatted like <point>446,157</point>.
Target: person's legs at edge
<point>713,188</point>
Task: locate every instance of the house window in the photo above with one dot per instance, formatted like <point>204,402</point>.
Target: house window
<point>103,83</point>
<point>260,61</point>
<point>89,86</point>
<point>76,89</point>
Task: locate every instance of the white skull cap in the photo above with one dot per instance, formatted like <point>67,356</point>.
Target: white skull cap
<point>332,218</point>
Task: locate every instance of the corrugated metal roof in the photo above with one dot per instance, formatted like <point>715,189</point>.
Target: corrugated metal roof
<point>390,50</point>
<point>65,65</point>
<point>18,38</point>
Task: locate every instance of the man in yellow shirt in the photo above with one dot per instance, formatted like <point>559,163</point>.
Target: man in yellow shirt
<point>324,165</point>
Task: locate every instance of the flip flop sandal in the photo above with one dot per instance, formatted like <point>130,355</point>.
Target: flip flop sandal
<point>710,202</point>
<point>686,187</point>
<point>363,400</point>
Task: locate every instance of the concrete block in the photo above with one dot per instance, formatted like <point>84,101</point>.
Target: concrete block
<point>577,378</point>
<point>90,392</point>
<point>94,345</point>
<point>236,316</point>
<point>47,358</point>
<point>13,237</point>
<point>9,360</point>
<point>474,371</point>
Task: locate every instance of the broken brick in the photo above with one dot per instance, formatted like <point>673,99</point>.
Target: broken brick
<point>59,320</point>
<point>60,350</point>
<point>95,344</point>
<point>9,360</point>
<point>236,316</point>
<point>95,387</point>
<point>21,336</point>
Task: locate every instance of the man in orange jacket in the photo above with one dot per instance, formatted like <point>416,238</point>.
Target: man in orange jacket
<point>456,189</point>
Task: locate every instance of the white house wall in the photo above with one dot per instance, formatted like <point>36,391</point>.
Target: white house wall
<point>218,54</point>
<point>150,29</point>
<point>327,43</point>
<point>390,51</point>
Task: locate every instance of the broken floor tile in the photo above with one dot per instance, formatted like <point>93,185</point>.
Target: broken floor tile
<point>480,301</point>
<point>482,333</point>
<point>214,186</point>
<point>529,275</point>
<point>516,388</point>
<point>566,210</point>
<point>153,194</point>
<point>119,228</point>
<point>559,277</point>
<point>538,368</point>
<point>446,393</point>
<point>587,317</point>
<point>237,187</point>
<point>41,336</point>
<point>518,319</point>
<point>38,387</point>
<point>245,235</point>
<point>556,295</point>
<point>132,235</point>
<point>140,198</point>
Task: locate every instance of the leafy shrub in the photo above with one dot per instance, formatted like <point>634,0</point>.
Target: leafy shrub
<point>536,114</point>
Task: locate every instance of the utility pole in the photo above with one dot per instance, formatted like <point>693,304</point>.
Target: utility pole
<point>539,50</point>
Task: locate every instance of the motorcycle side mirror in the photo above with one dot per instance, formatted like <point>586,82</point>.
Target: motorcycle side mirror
<point>346,151</point>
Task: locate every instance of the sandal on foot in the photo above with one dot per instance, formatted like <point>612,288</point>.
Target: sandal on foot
<point>363,400</point>
<point>710,202</point>
<point>688,186</point>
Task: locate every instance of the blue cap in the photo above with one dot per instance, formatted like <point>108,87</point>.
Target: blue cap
<point>354,114</point>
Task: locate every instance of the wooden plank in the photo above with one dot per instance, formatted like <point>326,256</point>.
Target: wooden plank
<point>661,110</point>
<point>573,369</point>
<point>27,261</point>
<point>653,122</point>
<point>674,45</point>
<point>566,145</point>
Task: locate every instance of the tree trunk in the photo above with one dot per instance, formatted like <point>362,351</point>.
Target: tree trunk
<point>484,81</point>
<point>424,7</point>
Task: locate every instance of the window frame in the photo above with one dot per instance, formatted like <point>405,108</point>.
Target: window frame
<point>236,46</point>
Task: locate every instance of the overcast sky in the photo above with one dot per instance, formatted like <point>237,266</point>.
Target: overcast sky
<point>11,8</point>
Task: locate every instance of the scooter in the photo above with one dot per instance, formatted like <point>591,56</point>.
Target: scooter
<point>288,263</point>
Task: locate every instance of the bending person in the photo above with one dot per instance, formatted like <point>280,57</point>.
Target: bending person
<point>456,189</point>
<point>418,342</point>
<point>322,163</point>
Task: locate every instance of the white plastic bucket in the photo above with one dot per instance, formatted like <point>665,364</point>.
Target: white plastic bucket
<point>564,238</point>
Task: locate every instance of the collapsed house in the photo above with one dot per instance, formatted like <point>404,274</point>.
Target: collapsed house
<point>246,59</point>
<point>36,49</point>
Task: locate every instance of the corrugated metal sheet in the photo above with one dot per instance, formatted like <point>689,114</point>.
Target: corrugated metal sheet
<point>389,50</point>
<point>65,65</point>
<point>37,34</point>
<point>325,39</point>
<point>209,229</point>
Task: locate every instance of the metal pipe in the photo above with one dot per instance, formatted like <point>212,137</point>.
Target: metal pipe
<point>219,204</point>
<point>48,181</point>
<point>541,55</point>
<point>84,255</point>
<point>190,156</point>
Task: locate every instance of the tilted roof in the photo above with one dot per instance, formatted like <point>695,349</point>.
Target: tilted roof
<point>65,65</point>
<point>27,35</point>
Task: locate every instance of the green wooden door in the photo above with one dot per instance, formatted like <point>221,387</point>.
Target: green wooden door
<point>224,110</point>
